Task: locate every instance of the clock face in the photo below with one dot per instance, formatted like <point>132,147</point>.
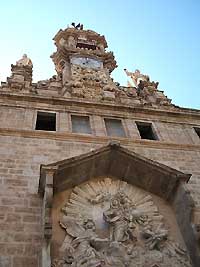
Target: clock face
<point>87,62</point>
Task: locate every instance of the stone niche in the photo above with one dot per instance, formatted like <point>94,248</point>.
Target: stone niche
<point>113,207</point>
<point>108,222</point>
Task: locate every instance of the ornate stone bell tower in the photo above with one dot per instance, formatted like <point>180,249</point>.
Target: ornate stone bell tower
<point>83,63</point>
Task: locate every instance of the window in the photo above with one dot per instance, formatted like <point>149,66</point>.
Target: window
<point>146,131</point>
<point>46,121</point>
<point>114,127</point>
<point>86,46</point>
<point>81,124</point>
<point>197,130</point>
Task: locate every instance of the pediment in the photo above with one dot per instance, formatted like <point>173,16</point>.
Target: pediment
<point>115,161</point>
<point>119,163</point>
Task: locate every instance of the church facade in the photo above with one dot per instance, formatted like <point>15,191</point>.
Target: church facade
<point>94,173</point>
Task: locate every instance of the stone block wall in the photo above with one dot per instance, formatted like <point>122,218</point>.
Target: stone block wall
<point>20,205</point>
<point>24,118</point>
<point>23,150</point>
<point>20,216</point>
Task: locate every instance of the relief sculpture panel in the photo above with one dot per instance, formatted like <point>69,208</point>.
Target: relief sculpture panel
<point>109,222</point>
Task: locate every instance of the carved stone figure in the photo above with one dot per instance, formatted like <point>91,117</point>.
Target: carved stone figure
<point>115,217</point>
<point>66,73</point>
<point>24,61</point>
<point>100,197</point>
<point>122,216</point>
<point>131,92</point>
<point>82,250</point>
<point>113,224</point>
<point>140,81</point>
<point>154,239</point>
<point>71,42</point>
<point>136,77</point>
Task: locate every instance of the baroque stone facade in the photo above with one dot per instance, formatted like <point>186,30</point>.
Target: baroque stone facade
<point>68,198</point>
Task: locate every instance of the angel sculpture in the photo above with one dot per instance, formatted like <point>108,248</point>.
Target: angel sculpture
<point>155,239</point>
<point>136,77</point>
<point>139,80</point>
<point>84,246</point>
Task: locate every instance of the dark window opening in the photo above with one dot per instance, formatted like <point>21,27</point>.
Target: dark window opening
<point>114,127</point>
<point>197,130</point>
<point>146,131</point>
<point>46,121</point>
<point>62,64</point>
<point>88,46</point>
<point>81,124</point>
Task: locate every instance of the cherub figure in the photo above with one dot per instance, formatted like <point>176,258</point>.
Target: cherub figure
<point>82,247</point>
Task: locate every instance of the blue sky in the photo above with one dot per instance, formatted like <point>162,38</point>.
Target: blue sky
<point>159,37</point>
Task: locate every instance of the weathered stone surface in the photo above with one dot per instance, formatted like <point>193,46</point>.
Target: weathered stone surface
<point>110,222</point>
<point>80,90</point>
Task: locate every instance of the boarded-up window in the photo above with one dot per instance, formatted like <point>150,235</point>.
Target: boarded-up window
<point>146,131</point>
<point>81,124</point>
<point>46,121</point>
<point>114,127</point>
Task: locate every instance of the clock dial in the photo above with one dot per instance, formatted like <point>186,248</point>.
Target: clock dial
<point>87,62</point>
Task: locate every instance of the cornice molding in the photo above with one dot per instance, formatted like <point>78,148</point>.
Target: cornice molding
<point>178,112</point>
<point>66,136</point>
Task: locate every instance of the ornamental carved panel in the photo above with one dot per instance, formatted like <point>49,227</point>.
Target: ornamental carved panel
<point>108,222</point>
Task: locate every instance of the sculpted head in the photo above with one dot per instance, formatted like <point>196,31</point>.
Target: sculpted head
<point>114,203</point>
<point>89,224</point>
<point>137,71</point>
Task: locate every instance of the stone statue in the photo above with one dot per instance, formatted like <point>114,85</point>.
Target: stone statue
<point>115,217</point>
<point>139,80</point>
<point>136,77</point>
<point>24,61</point>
